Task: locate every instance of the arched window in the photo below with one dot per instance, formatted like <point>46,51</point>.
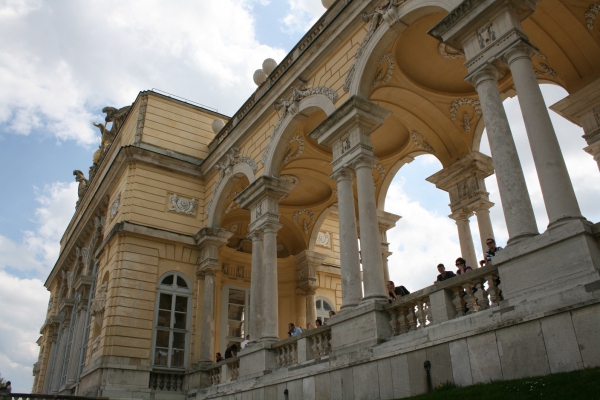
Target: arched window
<point>171,328</point>
<point>323,308</point>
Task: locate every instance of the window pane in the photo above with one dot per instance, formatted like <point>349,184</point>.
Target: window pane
<point>318,303</point>
<point>181,282</point>
<point>235,312</point>
<point>164,318</point>
<point>165,301</point>
<point>168,280</point>
<point>326,306</point>
<point>180,320</point>
<point>178,340</point>
<point>162,338</point>
<point>237,296</point>
<point>160,356</point>
<point>181,303</point>
<point>177,358</point>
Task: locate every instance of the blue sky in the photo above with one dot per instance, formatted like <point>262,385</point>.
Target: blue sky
<point>62,61</point>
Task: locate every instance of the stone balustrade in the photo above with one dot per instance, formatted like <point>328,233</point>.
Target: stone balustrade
<point>287,353</point>
<point>214,375</point>
<point>305,347</point>
<point>320,341</point>
<point>166,381</point>
<point>233,369</point>
<point>31,396</point>
<point>463,295</point>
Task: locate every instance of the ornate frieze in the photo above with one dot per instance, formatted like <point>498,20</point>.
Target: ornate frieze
<point>324,239</point>
<point>456,104</point>
<point>591,15</point>
<point>449,52</point>
<point>383,75</point>
<point>421,142</point>
<point>304,222</point>
<point>114,207</point>
<point>183,205</point>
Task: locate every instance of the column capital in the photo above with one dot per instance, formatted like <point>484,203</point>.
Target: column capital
<point>487,72</point>
<point>347,130</point>
<point>209,240</point>
<point>519,49</point>
<point>461,216</point>
<point>262,198</point>
<point>342,174</point>
<point>307,262</point>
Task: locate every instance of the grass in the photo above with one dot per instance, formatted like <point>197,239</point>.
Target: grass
<point>583,384</point>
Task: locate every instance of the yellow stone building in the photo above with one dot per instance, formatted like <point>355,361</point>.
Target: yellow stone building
<point>196,229</point>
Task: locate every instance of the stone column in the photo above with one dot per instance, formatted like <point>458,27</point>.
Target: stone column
<point>516,203</point>
<point>307,263</point>
<point>485,224</point>
<point>557,190</point>
<point>256,286</point>
<point>262,197</point>
<point>349,261</point>
<point>209,240</point>
<point>465,238</point>
<point>370,244</point>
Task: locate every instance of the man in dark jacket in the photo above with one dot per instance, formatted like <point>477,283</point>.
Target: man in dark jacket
<point>395,292</point>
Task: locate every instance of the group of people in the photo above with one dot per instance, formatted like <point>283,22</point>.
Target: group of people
<point>6,389</point>
<point>462,266</point>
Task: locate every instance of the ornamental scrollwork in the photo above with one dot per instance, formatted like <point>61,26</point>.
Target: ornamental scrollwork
<point>290,178</point>
<point>449,52</point>
<point>304,223</point>
<point>183,205</point>
<point>324,239</point>
<point>292,154</point>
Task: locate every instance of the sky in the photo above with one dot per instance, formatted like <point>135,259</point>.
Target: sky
<point>61,62</point>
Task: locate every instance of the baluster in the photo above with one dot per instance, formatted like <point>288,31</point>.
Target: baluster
<point>412,318</point>
<point>421,313</point>
<point>161,381</point>
<point>278,357</point>
<point>493,290</point>
<point>402,321</point>
<point>295,353</point>
<point>470,299</point>
<point>286,356</point>
<point>394,321</point>
<point>481,295</point>
<point>428,311</point>
<point>458,301</point>
<point>326,344</point>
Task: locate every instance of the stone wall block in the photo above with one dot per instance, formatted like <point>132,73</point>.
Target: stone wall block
<point>522,351</point>
<point>484,358</point>
<point>386,385</point>
<point>441,364</point>
<point>308,388</point>
<point>442,308</point>
<point>561,343</point>
<point>461,366</point>
<point>587,325</point>
<point>401,379</point>
<point>322,386</point>
<point>347,384</point>
<point>366,380</point>
<point>416,372</point>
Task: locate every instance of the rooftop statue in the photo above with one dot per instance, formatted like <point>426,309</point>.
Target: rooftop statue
<point>117,117</point>
<point>80,177</point>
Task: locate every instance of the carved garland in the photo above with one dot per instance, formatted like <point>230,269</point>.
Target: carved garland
<point>290,178</point>
<point>591,15</point>
<point>304,224</point>
<point>231,159</point>
<point>292,155</point>
<point>389,58</point>
<point>456,104</point>
<point>420,141</point>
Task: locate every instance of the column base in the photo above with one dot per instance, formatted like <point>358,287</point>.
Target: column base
<point>520,238</point>
<point>564,220</point>
<point>257,360</point>
<point>373,299</point>
<point>560,259</point>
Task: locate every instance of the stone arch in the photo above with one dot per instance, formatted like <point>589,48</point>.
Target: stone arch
<point>393,23</point>
<point>293,114</point>
<point>229,177</point>
<point>389,177</point>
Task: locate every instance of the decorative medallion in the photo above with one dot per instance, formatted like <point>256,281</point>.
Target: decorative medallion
<point>324,239</point>
<point>420,141</point>
<point>548,70</point>
<point>383,75</point>
<point>292,153</point>
<point>280,248</point>
<point>591,14</point>
<point>456,104</point>
<point>290,178</point>
<point>304,222</point>
<point>183,205</point>
<point>450,52</point>
<point>234,228</point>
<point>486,36</point>
<point>114,207</point>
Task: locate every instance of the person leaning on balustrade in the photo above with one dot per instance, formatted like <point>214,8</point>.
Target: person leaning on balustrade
<point>395,292</point>
<point>462,266</point>
<point>491,252</point>
<point>443,274</point>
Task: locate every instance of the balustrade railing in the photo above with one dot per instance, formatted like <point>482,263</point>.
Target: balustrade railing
<point>320,342</point>
<point>32,396</point>
<point>287,354</point>
<point>233,369</point>
<point>463,295</point>
<point>214,375</point>
<point>172,382</point>
<point>307,346</point>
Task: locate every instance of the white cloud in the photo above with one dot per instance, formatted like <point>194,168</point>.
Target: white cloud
<point>22,311</point>
<point>23,301</point>
<point>84,56</point>
<point>302,15</point>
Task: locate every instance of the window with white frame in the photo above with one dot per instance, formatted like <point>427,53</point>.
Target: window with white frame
<point>323,308</point>
<point>171,332</point>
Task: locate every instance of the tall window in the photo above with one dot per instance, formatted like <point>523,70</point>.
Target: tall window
<point>234,317</point>
<point>171,333</point>
<point>323,308</point>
